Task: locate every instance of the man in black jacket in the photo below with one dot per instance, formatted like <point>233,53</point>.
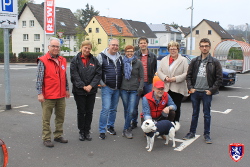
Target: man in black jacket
<point>149,63</point>
<point>204,78</point>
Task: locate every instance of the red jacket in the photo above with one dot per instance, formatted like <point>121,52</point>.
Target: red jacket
<point>154,108</point>
<point>54,81</point>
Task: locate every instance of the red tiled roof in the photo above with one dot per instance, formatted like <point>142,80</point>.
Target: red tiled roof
<point>109,26</point>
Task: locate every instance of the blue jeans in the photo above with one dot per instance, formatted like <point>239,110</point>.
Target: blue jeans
<point>110,99</point>
<point>196,99</point>
<point>129,101</point>
<point>146,89</point>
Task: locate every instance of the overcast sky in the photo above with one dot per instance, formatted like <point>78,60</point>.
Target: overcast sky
<point>236,12</point>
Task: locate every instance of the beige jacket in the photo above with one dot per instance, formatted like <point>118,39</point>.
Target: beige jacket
<point>178,69</point>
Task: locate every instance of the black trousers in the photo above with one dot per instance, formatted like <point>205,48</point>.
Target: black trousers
<point>85,105</point>
<point>177,98</point>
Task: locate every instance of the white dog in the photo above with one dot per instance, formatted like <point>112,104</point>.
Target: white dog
<point>163,127</point>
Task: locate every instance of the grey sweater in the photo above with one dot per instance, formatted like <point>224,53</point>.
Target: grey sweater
<point>136,81</point>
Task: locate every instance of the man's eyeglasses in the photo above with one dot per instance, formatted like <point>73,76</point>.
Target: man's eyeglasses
<point>173,49</point>
<point>130,51</point>
<point>115,45</point>
<point>204,46</point>
<point>54,46</point>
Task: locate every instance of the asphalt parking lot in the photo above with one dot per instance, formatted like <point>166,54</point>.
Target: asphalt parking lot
<point>20,129</point>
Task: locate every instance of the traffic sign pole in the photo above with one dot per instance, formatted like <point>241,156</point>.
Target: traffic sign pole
<point>7,69</point>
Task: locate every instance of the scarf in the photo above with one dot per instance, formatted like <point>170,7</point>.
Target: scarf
<point>128,66</point>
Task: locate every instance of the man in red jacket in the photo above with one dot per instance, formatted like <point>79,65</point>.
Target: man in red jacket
<point>52,88</point>
<point>157,104</point>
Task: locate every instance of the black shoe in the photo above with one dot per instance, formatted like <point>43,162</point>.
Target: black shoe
<point>127,133</point>
<point>102,136</point>
<point>133,125</point>
<point>207,139</point>
<point>48,143</point>
<point>81,137</point>
<point>111,131</point>
<point>61,140</point>
<point>87,137</point>
<point>190,135</point>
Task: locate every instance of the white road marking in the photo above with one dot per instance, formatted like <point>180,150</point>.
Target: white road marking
<point>26,112</point>
<point>21,106</point>
<point>223,112</point>
<point>244,97</point>
<point>98,97</point>
<point>1,110</point>
<point>185,143</point>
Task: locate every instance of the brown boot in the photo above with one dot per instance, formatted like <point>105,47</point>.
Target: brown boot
<point>48,143</point>
<point>61,140</point>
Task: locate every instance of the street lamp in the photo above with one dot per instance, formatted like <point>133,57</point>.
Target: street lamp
<point>246,32</point>
<point>160,39</point>
<point>191,28</point>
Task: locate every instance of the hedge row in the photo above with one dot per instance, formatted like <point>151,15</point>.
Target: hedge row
<point>27,57</point>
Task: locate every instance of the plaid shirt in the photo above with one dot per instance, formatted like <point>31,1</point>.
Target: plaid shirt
<point>40,76</point>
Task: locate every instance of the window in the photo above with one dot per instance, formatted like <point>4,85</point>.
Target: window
<point>25,49</point>
<point>87,39</point>
<point>36,37</point>
<point>37,49</point>
<point>90,30</point>
<point>197,32</point>
<point>99,41</point>
<point>209,32</point>
<point>152,41</point>
<point>124,40</point>
<point>74,49</point>
<point>24,23</point>
<point>66,37</point>
<point>97,30</point>
<point>62,24</point>
<point>93,21</point>
<point>74,37</point>
<point>32,23</point>
<point>25,37</point>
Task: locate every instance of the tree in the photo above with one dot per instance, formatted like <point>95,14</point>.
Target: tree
<point>80,36</point>
<point>122,43</point>
<point>21,4</point>
<point>84,15</point>
<point>174,25</point>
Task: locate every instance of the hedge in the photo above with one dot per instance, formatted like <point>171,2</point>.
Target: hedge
<point>12,57</point>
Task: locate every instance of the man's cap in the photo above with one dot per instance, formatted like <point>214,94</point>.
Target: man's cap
<point>159,84</point>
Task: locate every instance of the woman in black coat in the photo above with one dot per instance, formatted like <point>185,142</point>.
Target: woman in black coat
<point>85,73</point>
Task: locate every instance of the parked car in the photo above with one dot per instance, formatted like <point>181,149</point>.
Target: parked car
<point>229,76</point>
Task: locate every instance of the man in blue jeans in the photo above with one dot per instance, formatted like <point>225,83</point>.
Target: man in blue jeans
<point>149,63</point>
<point>204,77</point>
<point>111,62</point>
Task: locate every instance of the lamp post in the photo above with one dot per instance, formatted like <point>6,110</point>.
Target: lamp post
<point>246,32</point>
<point>160,39</point>
<point>191,28</point>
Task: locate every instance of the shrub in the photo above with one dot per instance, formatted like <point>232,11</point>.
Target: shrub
<point>28,57</point>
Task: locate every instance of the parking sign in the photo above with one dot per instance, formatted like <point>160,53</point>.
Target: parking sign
<point>8,14</point>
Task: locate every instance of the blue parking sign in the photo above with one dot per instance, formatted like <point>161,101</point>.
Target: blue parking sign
<point>7,5</point>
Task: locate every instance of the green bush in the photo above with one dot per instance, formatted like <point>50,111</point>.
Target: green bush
<point>12,57</point>
<point>68,58</point>
<point>28,57</point>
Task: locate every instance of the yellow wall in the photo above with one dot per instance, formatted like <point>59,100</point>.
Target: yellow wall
<point>102,35</point>
<point>203,33</point>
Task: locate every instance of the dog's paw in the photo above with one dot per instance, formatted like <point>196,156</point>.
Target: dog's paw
<point>166,143</point>
<point>147,147</point>
<point>149,150</point>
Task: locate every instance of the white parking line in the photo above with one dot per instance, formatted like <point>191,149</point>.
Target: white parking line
<point>223,112</point>
<point>26,112</point>
<point>244,97</point>
<point>185,143</point>
<point>21,106</point>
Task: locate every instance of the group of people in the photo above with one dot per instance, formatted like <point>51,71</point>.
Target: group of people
<point>129,77</point>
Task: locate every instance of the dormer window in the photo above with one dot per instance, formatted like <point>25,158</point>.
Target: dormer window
<point>62,24</point>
